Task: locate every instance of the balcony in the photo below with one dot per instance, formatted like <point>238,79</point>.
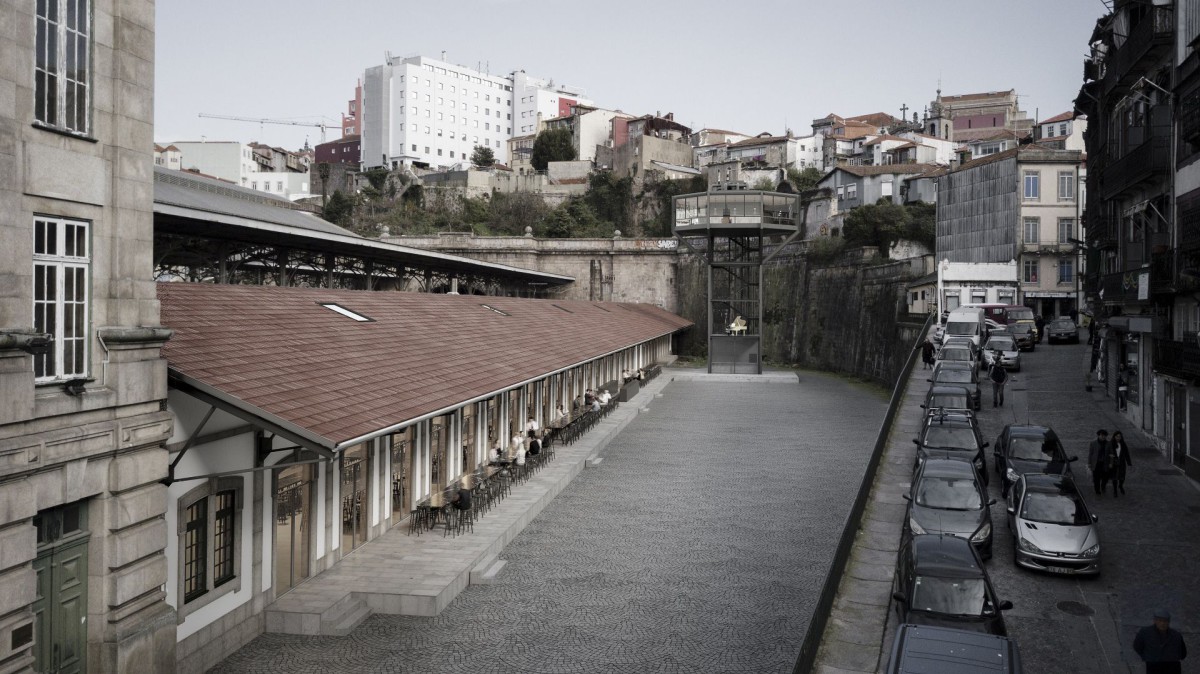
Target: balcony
<point>1150,39</point>
<point>1178,359</point>
<point>1126,286</point>
<point>1145,162</point>
<point>1048,248</point>
<point>1189,225</point>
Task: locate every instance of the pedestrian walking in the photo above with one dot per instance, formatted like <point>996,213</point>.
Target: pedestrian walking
<point>1161,647</point>
<point>927,353</point>
<point>999,377</point>
<point>1040,324</point>
<point>1092,332</point>
<point>1099,454</point>
<point>1121,462</point>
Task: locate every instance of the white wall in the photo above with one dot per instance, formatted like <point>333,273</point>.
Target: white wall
<point>226,160</point>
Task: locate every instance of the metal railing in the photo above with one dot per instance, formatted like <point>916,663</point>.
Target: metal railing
<point>1151,37</point>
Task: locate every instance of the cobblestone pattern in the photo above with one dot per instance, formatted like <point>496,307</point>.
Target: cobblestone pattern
<point>699,545</point>
<point>1148,537</point>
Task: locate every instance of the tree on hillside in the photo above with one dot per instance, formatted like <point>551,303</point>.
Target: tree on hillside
<point>804,179</point>
<point>611,199</point>
<point>552,145</point>
<point>482,157</point>
<point>880,224</point>
<point>923,227</point>
<point>338,209</point>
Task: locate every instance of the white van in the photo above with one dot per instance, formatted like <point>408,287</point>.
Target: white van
<point>968,322</point>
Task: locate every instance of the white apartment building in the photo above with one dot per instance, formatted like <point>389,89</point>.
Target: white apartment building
<point>235,162</point>
<point>1064,131</point>
<point>431,113</point>
<point>227,160</point>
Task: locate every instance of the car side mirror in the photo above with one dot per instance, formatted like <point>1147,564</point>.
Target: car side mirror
<point>1072,458</point>
<point>906,497</point>
<point>986,445</point>
<point>916,442</point>
<point>929,380</point>
<point>922,406</point>
<point>899,596</point>
<point>991,502</point>
<point>1095,518</point>
<point>1011,510</point>
<point>1005,605</point>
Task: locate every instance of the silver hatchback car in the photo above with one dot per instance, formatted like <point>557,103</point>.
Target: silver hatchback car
<point>1051,526</point>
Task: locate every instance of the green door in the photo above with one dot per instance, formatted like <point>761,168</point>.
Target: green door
<point>60,609</point>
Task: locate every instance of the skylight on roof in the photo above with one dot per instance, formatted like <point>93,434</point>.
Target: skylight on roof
<point>491,308</point>
<point>345,312</point>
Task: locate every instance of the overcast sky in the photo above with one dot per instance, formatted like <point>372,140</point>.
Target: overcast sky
<point>748,66</point>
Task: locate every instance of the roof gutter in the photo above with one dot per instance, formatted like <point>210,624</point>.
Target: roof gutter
<point>450,408</point>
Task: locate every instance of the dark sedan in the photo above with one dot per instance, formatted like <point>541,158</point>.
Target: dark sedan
<point>1062,330</point>
<point>940,581</point>
<point>1025,448</point>
<point>951,435</point>
<point>948,497</point>
<point>1025,333</point>
<point>949,398</point>
<point>962,374</point>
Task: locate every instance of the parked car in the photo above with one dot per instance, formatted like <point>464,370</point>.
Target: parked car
<point>1027,448</point>
<point>1062,330</point>
<point>959,354</point>
<point>940,581</point>
<point>948,497</point>
<point>921,649</point>
<point>948,398</point>
<point>951,435</point>
<point>1051,526</point>
<point>1006,345</point>
<point>949,372</point>
<point>1025,332</point>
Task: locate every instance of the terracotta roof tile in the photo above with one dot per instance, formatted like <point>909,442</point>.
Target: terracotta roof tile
<point>278,352</point>
<point>1064,117</point>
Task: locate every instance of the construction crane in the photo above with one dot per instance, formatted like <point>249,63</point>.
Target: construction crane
<point>260,121</point>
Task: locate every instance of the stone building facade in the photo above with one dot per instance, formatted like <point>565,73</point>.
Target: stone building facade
<point>82,422</point>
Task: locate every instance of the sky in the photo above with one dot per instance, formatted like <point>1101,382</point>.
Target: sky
<point>748,66</point>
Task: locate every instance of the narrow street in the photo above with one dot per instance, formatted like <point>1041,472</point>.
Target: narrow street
<point>1148,537</point>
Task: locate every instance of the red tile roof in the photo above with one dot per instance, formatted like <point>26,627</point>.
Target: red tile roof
<point>277,354</point>
<point>894,169</point>
<point>1064,117</point>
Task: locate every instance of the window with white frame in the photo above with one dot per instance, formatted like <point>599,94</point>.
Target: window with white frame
<point>62,64</point>
<point>61,263</point>
<point>1062,129</point>
<point>1066,271</point>
<point>1031,230</point>
<point>1033,187</point>
<point>1066,229</point>
<point>1029,270</point>
<point>209,544</point>
<point>1066,185</point>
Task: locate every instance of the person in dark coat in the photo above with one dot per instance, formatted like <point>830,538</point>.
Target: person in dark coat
<point>1160,647</point>
<point>1040,323</point>
<point>1121,462</point>
<point>1098,459</point>
<point>927,353</point>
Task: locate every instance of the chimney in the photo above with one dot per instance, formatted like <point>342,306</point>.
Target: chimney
<point>670,117</point>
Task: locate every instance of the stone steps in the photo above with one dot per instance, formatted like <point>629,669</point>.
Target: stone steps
<point>347,616</point>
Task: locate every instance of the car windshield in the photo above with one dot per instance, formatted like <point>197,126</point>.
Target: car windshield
<point>1054,509</point>
<point>948,493</point>
<point>951,400</point>
<point>954,353</point>
<point>954,376</point>
<point>950,437</point>
<point>1062,325</point>
<point>1025,314</point>
<point>1032,449</point>
<point>1000,344</point>
<point>962,328</point>
<point>952,596</point>
<point>1020,328</point>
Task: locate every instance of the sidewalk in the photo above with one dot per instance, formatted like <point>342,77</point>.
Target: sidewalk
<point>1060,623</point>
<point>402,574</point>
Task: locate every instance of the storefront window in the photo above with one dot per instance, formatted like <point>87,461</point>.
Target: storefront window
<point>1130,372</point>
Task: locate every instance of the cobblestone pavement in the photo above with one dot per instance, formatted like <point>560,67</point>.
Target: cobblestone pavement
<point>1148,538</point>
<point>699,545</point>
